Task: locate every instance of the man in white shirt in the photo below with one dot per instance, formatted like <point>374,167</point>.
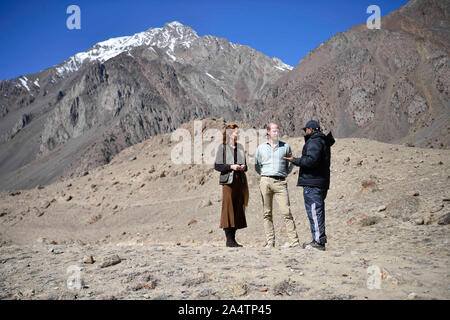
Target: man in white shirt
<point>269,163</point>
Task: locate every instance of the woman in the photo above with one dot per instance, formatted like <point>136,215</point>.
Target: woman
<point>230,161</point>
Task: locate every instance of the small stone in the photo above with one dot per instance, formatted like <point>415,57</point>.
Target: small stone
<point>151,285</point>
<point>418,221</point>
<point>68,198</point>
<point>205,203</point>
<point>42,240</point>
<point>45,205</point>
<point>192,222</point>
<point>444,219</point>
<point>381,208</point>
<point>239,290</point>
<point>94,218</point>
<point>368,186</point>
<point>263,289</point>
<point>413,296</point>
<point>205,293</point>
<point>93,186</point>
<point>111,261</point>
<point>85,173</point>
<point>55,251</point>
<point>88,260</point>
<point>416,193</point>
<point>363,220</point>
<point>347,159</point>
<point>39,187</point>
<point>36,212</point>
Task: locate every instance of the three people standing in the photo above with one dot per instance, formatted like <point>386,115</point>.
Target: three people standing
<point>274,161</point>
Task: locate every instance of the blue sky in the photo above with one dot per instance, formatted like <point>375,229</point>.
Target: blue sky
<point>34,34</point>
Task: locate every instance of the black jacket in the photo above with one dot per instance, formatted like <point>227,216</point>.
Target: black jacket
<point>315,161</point>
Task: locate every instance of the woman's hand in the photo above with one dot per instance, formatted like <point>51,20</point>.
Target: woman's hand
<point>237,167</point>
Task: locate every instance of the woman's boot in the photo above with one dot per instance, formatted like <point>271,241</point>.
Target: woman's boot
<point>233,237</point>
<point>229,235</point>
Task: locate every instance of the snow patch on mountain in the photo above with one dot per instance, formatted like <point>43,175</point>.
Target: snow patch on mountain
<point>210,76</point>
<point>169,37</point>
<point>280,65</point>
<point>24,82</point>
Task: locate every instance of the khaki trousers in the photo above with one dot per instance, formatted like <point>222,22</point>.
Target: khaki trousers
<point>271,188</point>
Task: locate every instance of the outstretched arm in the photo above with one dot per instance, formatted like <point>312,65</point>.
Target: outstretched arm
<point>292,160</point>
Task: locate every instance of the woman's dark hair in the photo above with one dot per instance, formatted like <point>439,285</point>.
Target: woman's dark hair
<point>225,132</point>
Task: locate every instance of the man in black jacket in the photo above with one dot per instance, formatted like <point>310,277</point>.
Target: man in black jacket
<point>314,177</point>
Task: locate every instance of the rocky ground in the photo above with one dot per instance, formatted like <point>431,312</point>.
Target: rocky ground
<point>144,228</point>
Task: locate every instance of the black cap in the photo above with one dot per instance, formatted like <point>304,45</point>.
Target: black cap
<point>312,124</point>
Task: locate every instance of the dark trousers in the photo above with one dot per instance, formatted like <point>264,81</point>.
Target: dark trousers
<point>315,208</point>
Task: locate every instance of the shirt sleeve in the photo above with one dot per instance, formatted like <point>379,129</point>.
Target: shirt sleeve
<point>257,161</point>
<point>289,165</point>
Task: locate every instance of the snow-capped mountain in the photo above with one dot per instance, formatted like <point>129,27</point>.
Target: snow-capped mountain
<point>172,35</point>
<point>169,38</point>
<point>81,112</point>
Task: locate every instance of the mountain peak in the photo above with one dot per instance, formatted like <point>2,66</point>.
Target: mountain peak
<point>173,24</point>
<point>171,35</point>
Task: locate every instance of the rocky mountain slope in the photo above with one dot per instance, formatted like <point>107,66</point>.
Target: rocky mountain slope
<point>390,84</point>
<point>78,114</point>
<point>387,225</point>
